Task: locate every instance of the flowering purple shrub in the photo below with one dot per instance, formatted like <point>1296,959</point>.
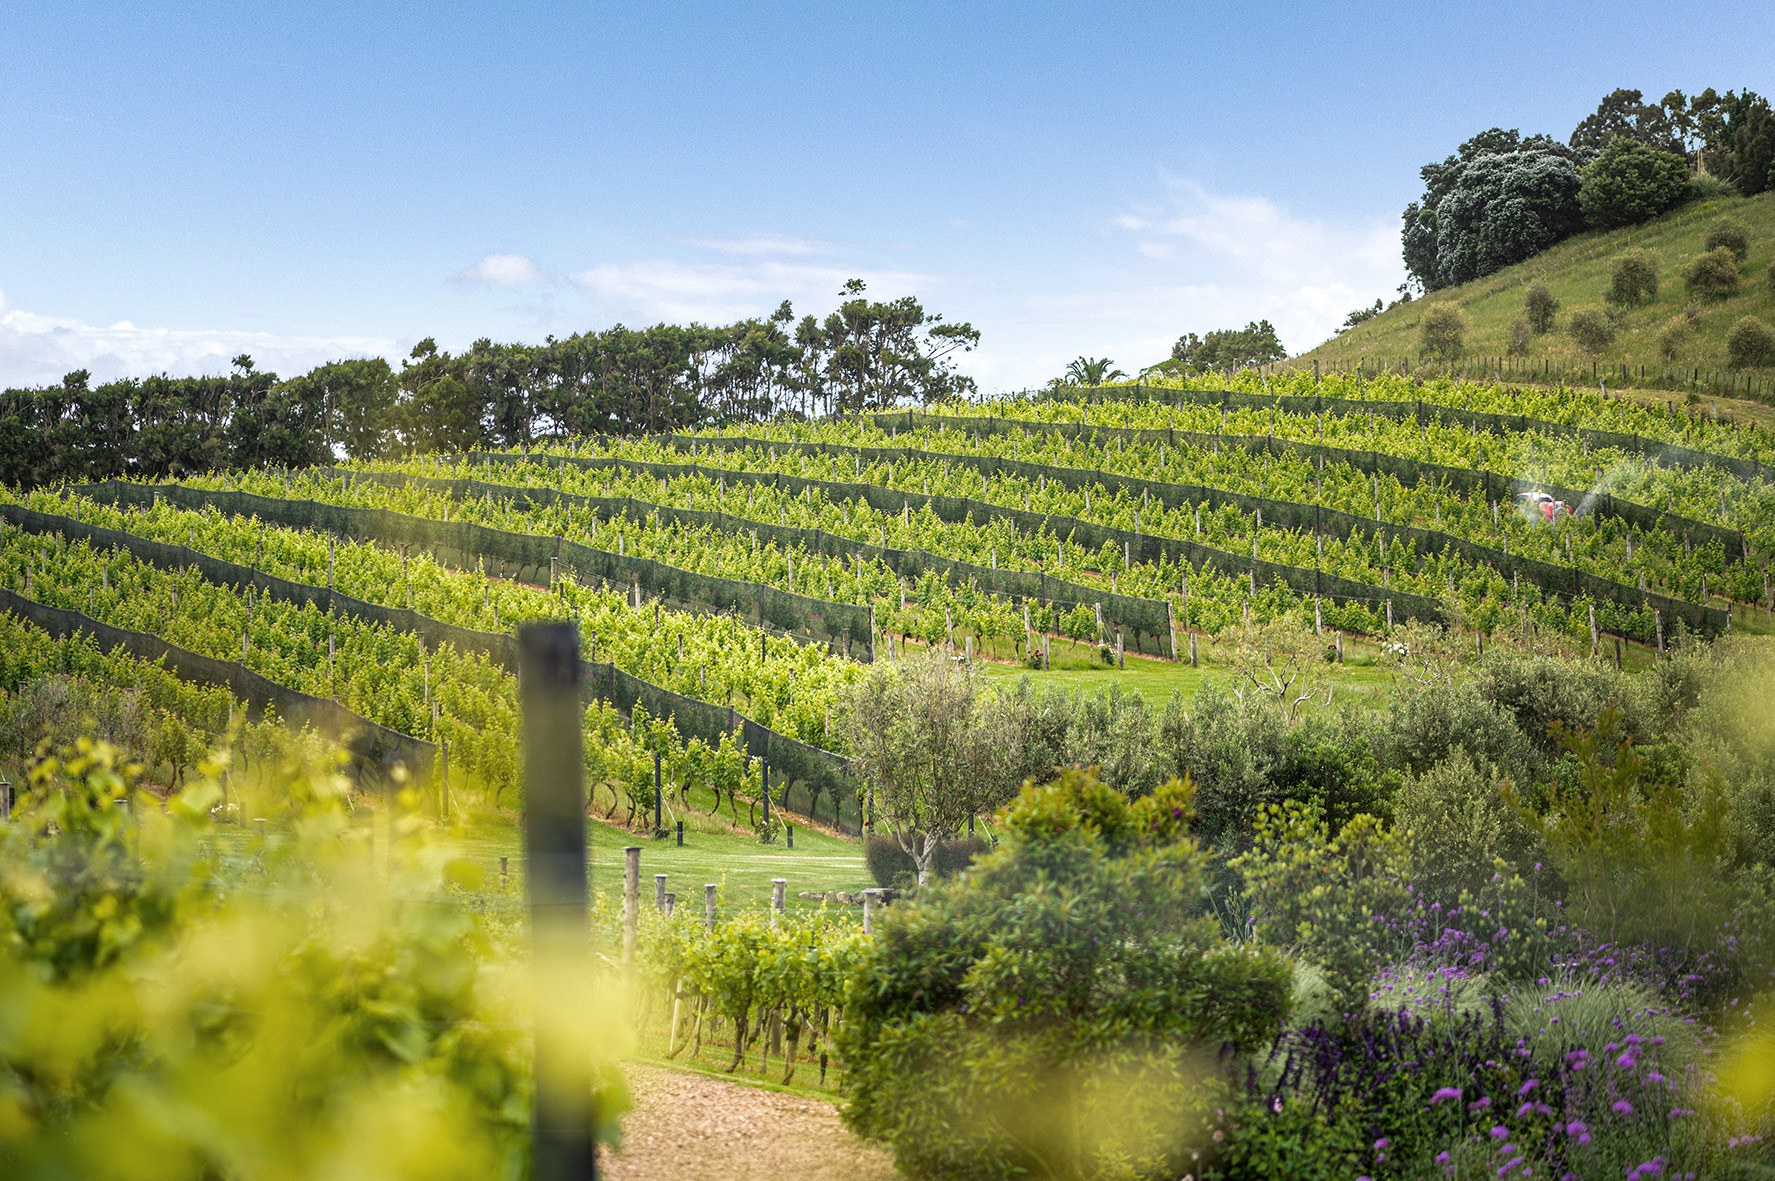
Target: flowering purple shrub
<point>1555,1080</point>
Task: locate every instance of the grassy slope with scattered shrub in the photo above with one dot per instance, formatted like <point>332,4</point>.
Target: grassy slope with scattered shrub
<point>1577,271</point>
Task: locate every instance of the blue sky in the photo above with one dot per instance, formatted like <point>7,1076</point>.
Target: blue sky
<point>308,181</point>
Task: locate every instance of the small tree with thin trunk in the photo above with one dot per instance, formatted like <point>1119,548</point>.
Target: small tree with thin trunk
<point>1280,661</point>
<point>928,745</point>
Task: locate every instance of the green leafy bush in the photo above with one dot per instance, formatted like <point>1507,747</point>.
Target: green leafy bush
<point>1731,234</point>
<point>1676,335</point>
<point>1053,1012</point>
<point>1540,306</point>
<point>1591,330</point>
<point>1442,333</point>
<point>1751,342</point>
<point>1713,275</point>
<point>1634,279</point>
<point>1457,826</point>
<point>1630,182</point>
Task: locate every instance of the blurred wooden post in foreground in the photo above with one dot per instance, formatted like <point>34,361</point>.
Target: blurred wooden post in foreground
<point>555,859</point>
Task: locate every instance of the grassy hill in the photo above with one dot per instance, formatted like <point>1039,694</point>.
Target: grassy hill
<point>1577,272</point>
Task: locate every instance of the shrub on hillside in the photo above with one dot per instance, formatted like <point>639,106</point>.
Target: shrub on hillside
<point>1053,1012</point>
<point>1591,329</point>
<point>1630,182</point>
<point>1634,279</point>
<point>1750,342</point>
<point>1442,332</point>
<point>1708,187</point>
<point>1521,336</point>
<point>1713,275</point>
<point>1540,306</point>
<point>1732,234</point>
<point>892,866</point>
<point>1677,335</point>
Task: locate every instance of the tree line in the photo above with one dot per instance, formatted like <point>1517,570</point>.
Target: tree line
<point>866,355</point>
<point>1504,197</point>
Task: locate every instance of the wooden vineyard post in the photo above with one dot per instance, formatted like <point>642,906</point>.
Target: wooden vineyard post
<point>562,1116</point>
<point>778,888</point>
<point>631,903</point>
<point>1658,619</point>
<point>659,892</point>
<point>869,897</point>
<point>709,906</point>
<point>1192,648</point>
<point>1171,622</point>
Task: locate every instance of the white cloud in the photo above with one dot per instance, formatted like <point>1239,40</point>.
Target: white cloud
<point>715,292</point>
<point>1262,261</point>
<point>1192,260</point>
<point>503,270</point>
<point>37,349</point>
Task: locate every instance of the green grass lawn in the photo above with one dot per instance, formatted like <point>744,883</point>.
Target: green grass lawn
<point>1076,666</point>
<point>711,853</point>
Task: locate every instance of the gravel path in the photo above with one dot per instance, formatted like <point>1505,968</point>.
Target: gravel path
<point>690,1127</point>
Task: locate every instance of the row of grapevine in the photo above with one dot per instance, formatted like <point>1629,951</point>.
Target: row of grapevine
<point>1600,489</point>
<point>377,662</point>
<point>1370,564</point>
<point>372,670</point>
<point>1408,577</point>
<point>1272,529</point>
<point>712,657</point>
<point>1672,436</point>
<point>692,550</point>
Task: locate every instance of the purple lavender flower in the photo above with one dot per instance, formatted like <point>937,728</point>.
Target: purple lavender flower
<point>1622,1107</point>
<point>1445,1093</point>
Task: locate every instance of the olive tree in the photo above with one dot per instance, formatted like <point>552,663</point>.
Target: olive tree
<point>930,745</point>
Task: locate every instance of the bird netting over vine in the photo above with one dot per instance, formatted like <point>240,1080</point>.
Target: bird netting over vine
<point>842,627</point>
<point>800,774</point>
<point>374,749</point>
<point>1563,582</point>
<point>1143,622</point>
<point>1655,450</point>
<point>1146,623</point>
<point>1406,470</point>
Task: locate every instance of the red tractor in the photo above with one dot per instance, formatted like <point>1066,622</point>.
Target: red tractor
<point>1540,506</point>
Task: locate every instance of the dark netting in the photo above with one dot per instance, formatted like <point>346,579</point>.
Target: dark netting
<point>1657,451</point>
<point>1410,472</point>
<point>803,778</point>
<point>816,774</point>
<point>1144,623</point>
<point>841,627</point>
<point>1138,615</point>
<point>374,749</point>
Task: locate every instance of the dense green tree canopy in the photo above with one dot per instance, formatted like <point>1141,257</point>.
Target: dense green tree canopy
<point>867,355</point>
<point>1630,183</point>
<point>1498,200</point>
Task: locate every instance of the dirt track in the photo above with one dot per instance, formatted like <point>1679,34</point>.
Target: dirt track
<point>689,1127</point>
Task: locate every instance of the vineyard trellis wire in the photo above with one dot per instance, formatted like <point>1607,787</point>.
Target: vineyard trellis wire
<point>1422,411</point>
<point>1566,582</point>
<point>802,775</point>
